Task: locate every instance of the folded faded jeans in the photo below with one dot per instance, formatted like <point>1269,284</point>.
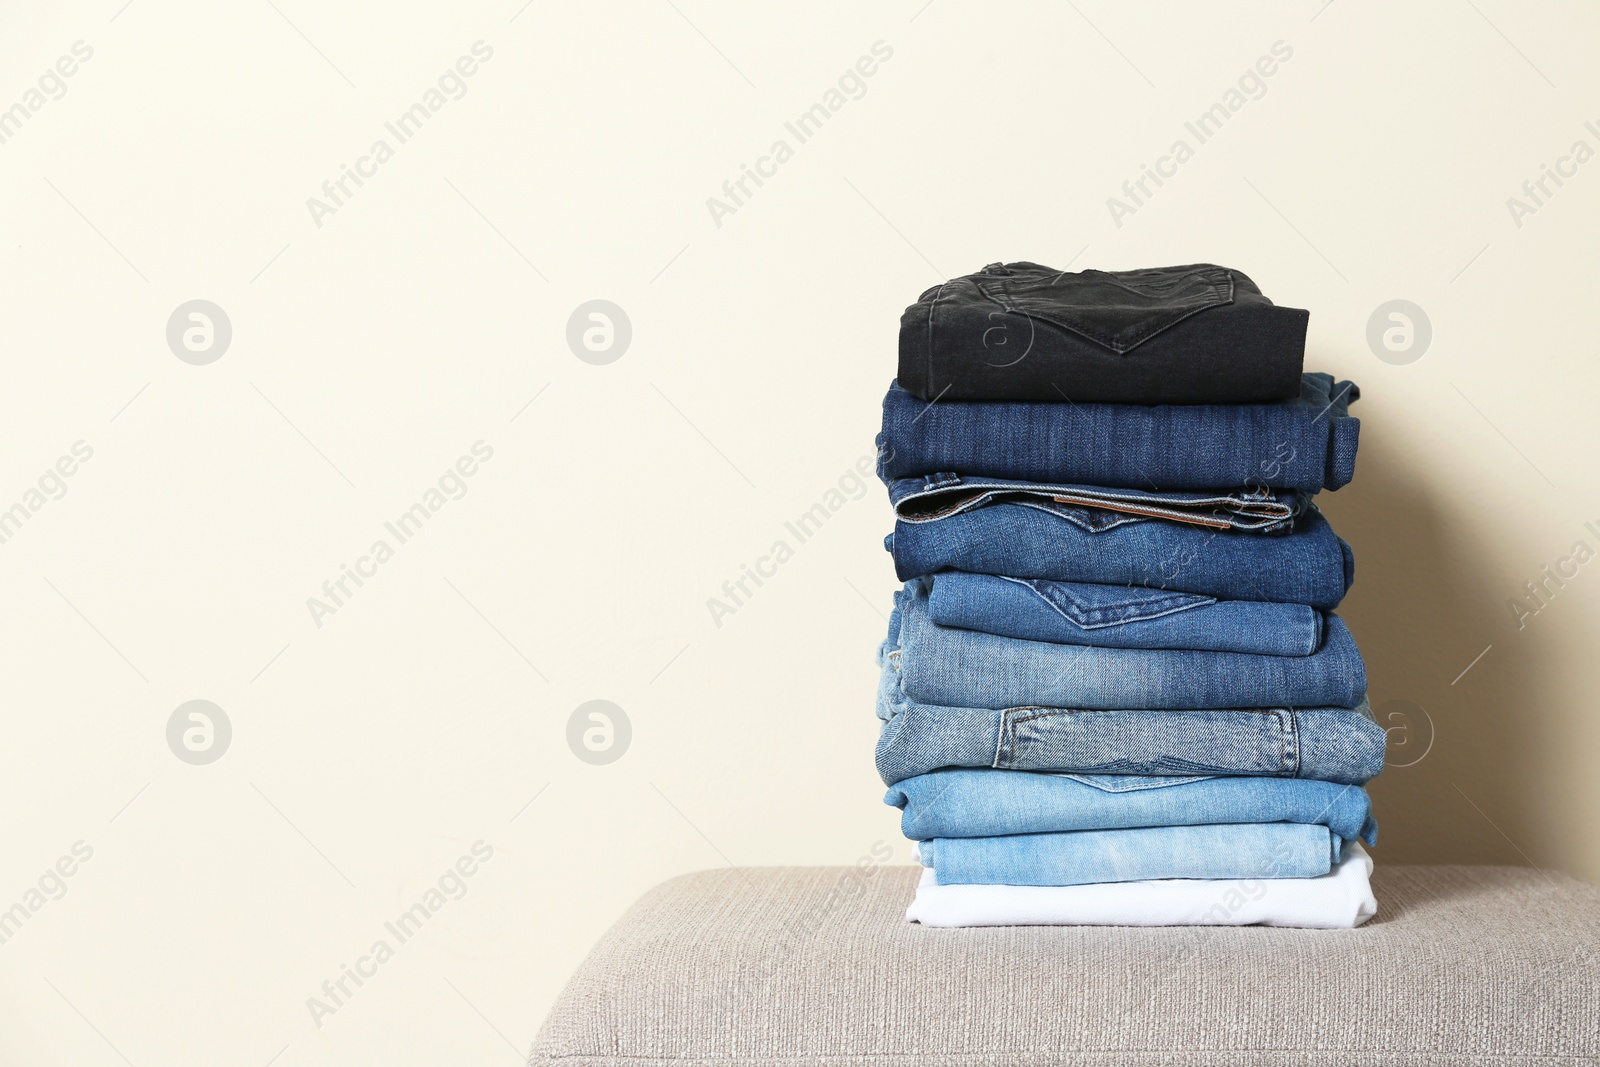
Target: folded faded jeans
<point>1241,850</point>
<point>1020,331</point>
<point>1307,565</point>
<point>988,803</point>
<point>965,668</point>
<point>1342,745</point>
<point>1308,443</point>
<point>933,497</point>
<point>1339,900</point>
<point>1120,616</point>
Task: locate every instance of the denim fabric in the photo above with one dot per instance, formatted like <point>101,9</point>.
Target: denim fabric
<point>971,803</point>
<point>1339,900</point>
<point>1330,744</point>
<point>1308,565</point>
<point>1120,616</point>
<point>1194,334</point>
<point>938,496</point>
<point>1308,443</point>
<point>1245,850</point>
<point>964,668</point>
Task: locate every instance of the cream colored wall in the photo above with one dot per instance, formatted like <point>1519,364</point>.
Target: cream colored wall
<point>429,313</point>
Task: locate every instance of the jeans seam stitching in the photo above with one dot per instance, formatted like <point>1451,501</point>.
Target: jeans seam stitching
<point>1291,736</point>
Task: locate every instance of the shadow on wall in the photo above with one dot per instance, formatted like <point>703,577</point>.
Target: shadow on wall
<point>1420,617</point>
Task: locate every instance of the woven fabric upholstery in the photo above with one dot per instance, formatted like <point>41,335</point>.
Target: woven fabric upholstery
<point>794,966</point>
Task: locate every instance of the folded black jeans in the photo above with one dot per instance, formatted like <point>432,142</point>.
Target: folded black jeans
<point>1196,334</point>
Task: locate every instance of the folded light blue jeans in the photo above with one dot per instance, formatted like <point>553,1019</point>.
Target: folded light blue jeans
<point>1245,850</point>
<point>1340,745</point>
<point>1120,616</point>
<point>987,803</point>
<point>964,668</point>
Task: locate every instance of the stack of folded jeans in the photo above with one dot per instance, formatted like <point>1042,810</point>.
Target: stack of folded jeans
<point>1113,688</point>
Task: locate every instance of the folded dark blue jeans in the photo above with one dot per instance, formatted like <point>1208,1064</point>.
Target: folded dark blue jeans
<point>938,496</point>
<point>1308,443</point>
<point>1306,565</point>
<point>1120,616</point>
<point>965,668</point>
<point>1195,334</point>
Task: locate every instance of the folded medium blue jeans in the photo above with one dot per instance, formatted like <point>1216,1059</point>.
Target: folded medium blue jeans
<point>965,668</point>
<point>1248,850</point>
<point>1308,443</point>
<point>989,803</point>
<point>1308,565</point>
<point>1331,744</point>
<point>1120,616</point>
<point>932,497</point>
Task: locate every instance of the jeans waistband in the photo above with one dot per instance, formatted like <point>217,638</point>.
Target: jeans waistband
<point>932,497</point>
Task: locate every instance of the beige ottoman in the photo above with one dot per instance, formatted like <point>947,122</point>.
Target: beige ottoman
<point>791,966</point>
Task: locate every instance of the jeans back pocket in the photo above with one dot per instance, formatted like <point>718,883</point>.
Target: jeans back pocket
<point>1119,310</point>
<point>1134,783</point>
<point>1095,607</point>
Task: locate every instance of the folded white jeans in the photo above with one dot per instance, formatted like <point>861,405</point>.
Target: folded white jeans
<point>1339,900</point>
